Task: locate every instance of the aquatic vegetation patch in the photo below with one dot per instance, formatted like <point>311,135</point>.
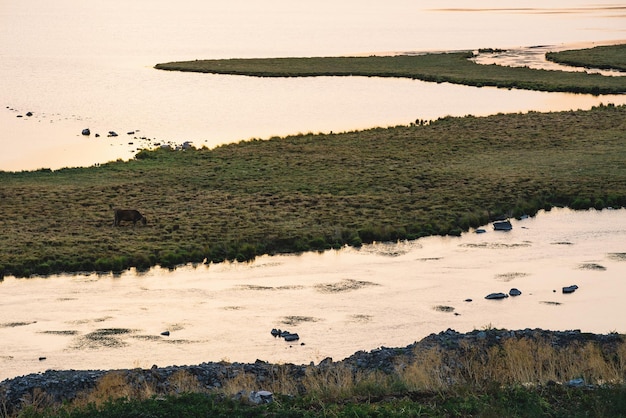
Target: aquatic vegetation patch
<point>147,337</point>
<point>232,308</point>
<point>61,332</point>
<point>295,319</point>
<point>176,326</point>
<point>495,245</point>
<point>89,321</point>
<point>253,287</point>
<point>344,286</point>
<point>443,308</point>
<point>103,338</point>
<point>361,318</point>
<point>562,243</point>
<point>548,302</point>
<point>176,341</point>
<point>507,277</point>
<point>592,266</point>
<point>390,249</point>
<point>16,324</point>
<point>617,256</point>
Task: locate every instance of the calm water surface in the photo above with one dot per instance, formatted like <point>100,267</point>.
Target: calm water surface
<point>339,302</point>
<point>78,64</point>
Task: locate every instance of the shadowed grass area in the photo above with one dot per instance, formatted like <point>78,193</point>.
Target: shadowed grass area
<point>446,67</point>
<point>610,57</point>
<point>311,192</point>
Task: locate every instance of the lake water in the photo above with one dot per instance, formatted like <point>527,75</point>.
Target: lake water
<point>78,64</point>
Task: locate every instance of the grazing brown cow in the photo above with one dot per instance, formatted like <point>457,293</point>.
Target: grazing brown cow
<point>130,215</point>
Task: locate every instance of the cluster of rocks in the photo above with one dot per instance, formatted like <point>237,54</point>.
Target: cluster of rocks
<point>87,132</point>
<point>170,146</point>
<point>65,385</point>
<point>286,335</point>
<point>29,114</point>
<point>516,292</point>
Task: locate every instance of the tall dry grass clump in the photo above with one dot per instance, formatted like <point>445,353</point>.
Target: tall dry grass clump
<point>426,371</point>
<point>112,386</point>
<point>514,361</point>
<point>340,381</point>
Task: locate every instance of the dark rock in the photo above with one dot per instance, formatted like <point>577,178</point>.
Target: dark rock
<point>42,358</point>
<point>480,231</point>
<point>86,132</point>
<point>275,332</point>
<point>498,295</point>
<point>260,397</point>
<point>291,337</point>
<point>502,226</point>
<point>112,133</point>
<point>576,383</point>
<point>29,114</point>
<point>514,292</point>
<point>97,135</point>
<point>570,289</point>
<point>468,300</point>
<point>165,333</point>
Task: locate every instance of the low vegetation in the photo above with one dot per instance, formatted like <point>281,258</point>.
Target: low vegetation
<point>610,57</point>
<point>514,378</point>
<point>445,67</point>
<point>311,191</point>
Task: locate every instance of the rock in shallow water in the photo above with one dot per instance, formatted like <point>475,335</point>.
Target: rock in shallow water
<point>498,295</point>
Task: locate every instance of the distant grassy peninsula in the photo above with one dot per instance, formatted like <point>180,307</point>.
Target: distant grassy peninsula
<point>453,67</point>
<point>610,57</point>
<point>311,191</point>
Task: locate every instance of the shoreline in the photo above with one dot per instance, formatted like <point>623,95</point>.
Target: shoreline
<point>61,386</point>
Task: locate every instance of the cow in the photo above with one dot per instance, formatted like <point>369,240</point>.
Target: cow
<point>130,215</point>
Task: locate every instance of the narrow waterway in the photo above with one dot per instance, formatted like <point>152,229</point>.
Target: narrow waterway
<point>338,302</point>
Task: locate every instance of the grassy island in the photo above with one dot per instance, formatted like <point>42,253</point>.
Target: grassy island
<point>311,191</point>
<point>610,57</point>
<point>444,67</point>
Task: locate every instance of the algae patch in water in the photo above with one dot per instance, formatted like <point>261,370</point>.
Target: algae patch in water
<point>343,286</point>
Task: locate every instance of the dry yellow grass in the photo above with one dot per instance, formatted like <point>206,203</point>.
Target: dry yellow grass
<point>513,361</point>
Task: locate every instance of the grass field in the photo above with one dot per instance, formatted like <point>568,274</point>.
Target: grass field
<point>612,57</point>
<point>311,192</point>
<point>444,67</point>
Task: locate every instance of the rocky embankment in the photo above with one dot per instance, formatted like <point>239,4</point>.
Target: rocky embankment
<point>64,385</point>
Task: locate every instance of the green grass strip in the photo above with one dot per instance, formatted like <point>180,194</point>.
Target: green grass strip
<point>610,57</point>
<point>447,67</point>
<point>311,192</point>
